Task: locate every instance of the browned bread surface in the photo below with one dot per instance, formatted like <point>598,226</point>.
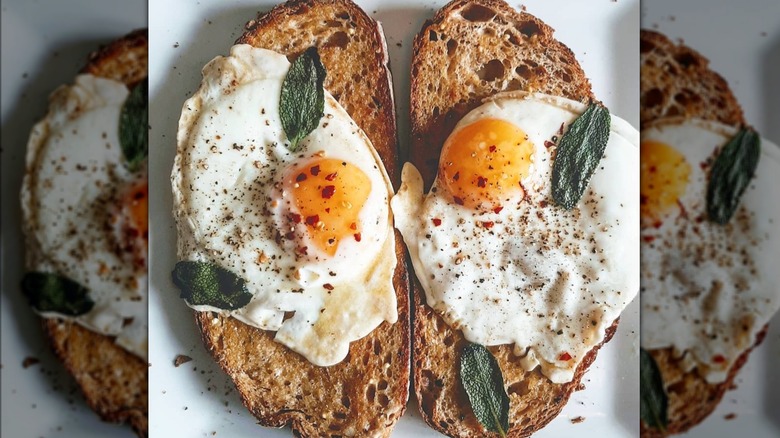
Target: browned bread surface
<point>691,398</point>
<point>366,393</point>
<point>474,49</point>
<point>676,81</point>
<point>114,381</point>
<point>469,51</point>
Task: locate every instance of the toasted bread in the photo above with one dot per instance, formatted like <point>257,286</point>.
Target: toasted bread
<point>113,380</point>
<point>676,81</point>
<point>469,51</point>
<point>366,393</point>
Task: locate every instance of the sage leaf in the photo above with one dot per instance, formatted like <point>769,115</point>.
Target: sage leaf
<point>731,174</point>
<point>302,101</point>
<point>653,399</point>
<point>204,283</point>
<point>484,384</point>
<point>48,292</point>
<point>578,154</point>
<point>134,126</point>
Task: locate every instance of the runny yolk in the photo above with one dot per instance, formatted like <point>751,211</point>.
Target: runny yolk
<point>483,164</point>
<point>328,195</point>
<point>137,204</point>
<point>664,175</point>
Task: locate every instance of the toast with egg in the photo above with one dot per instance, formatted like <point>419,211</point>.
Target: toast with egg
<point>113,380</point>
<point>676,81</point>
<point>366,393</point>
<point>471,50</point>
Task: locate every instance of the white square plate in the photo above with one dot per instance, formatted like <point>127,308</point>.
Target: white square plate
<point>197,399</point>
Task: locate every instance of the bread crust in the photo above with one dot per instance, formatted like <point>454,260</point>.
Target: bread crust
<point>114,381</point>
<point>531,59</point>
<point>366,393</point>
<point>676,81</point>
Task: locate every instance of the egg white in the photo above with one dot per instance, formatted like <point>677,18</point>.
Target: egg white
<point>548,280</point>
<point>230,206</point>
<point>707,289</point>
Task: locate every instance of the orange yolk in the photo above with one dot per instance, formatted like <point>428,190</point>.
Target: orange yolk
<point>483,163</point>
<point>328,196</point>
<point>664,177</point>
<point>137,203</point>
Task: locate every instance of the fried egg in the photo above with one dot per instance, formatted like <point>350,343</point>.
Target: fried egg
<point>309,231</point>
<point>707,289</point>
<point>85,213</point>
<point>498,259</point>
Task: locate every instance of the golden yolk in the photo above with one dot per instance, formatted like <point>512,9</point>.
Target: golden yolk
<point>664,177</point>
<point>137,204</point>
<point>328,195</point>
<point>483,163</point>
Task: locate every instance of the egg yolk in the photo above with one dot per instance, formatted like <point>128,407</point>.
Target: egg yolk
<point>328,196</point>
<point>483,164</point>
<point>664,178</point>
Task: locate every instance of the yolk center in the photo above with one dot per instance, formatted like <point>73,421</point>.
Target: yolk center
<point>328,196</point>
<point>483,164</point>
<point>664,178</point>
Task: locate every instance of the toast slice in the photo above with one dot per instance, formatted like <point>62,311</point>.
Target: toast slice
<point>470,50</point>
<point>113,380</point>
<point>676,81</point>
<point>366,393</point>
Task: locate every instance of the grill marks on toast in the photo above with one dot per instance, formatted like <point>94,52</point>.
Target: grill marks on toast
<point>113,380</point>
<point>365,394</point>
<point>471,50</point>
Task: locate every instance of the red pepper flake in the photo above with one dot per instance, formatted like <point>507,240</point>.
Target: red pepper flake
<point>481,182</point>
<point>303,250</point>
<point>458,200</point>
<point>718,358</point>
<point>543,203</point>
<point>456,176</point>
<point>331,176</point>
<point>328,191</point>
<point>548,144</point>
<point>488,224</point>
<point>353,226</point>
<point>492,148</point>
<point>560,130</point>
<point>358,237</point>
<point>683,211</point>
<point>301,177</point>
<point>328,286</point>
<point>436,221</point>
<point>498,209</point>
<point>565,357</point>
<point>657,224</point>
<point>312,220</point>
<point>315,170</point>
<point>295,218</point>
<point>648,239</point>
<point>290,235</point>
<point>327,210</point>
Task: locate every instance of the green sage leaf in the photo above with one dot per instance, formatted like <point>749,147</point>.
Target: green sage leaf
<point>731,174</point>
<point>134,126</point>
<point>203,283</point>
<point>302,101</point>
<point>484,384</point>
<point>653,408</point>
<point>578,154</point>
<point>48,292</point>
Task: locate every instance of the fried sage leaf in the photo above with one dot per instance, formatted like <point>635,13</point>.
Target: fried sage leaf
<point>578,154</point>
<point>48,292</point>
<point>731,173</point>
<point>203,283</point>
<point>654,402</point>
<point>134,126</point>
<point>484,384</point>
<point>302,101</point>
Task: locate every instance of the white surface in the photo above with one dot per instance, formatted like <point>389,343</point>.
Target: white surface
<point>743,45</point>
<point>44,44</point>
<point>196,399</point>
